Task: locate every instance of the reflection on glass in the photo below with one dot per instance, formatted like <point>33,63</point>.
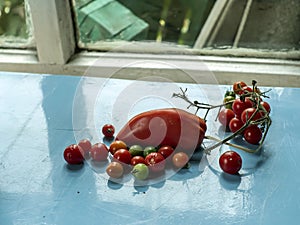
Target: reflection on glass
<point>14,23</point>
<point>210,24</point>
<point>175,21</point>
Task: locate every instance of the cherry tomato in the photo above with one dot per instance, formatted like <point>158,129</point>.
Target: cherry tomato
<point>230,162</point>
<point>99,152</point>
<point>86,145</point>
<point>155,161</point>
<point>247,113</point>
<point>225,116</point>
<point>246,90</point>
<point>123,155</point>
<point>136,150</point>
<point>238,106</point>
<point>115,170</point>
<point>266,106</point>
<point>166,151</point>
<point>108,130</point>
<point>137,159</point>
<point>228,99</point>
<point>148,150</point>
<point>238,87</point>
<point>229,93</point>
<point>116,145</point>
<point>235,124</point>
<point>140,171</point>
<point>73,154</point>
<point>180,159</point>
<point>253,134</point>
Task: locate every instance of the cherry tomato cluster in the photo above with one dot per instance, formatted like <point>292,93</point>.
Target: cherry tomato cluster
<point>77,153</point>
<point>142,162</point>
<point>242,114</point>
<point>240,110</point>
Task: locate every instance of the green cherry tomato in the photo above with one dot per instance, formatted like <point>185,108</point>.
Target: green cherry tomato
<point>148,150</point>
<point>228,99</point>
<point>140,171</point>
<point>229,93</point>
<point>136,150</point>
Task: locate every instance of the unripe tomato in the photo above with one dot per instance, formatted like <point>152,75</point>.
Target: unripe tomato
<point>116,145</point>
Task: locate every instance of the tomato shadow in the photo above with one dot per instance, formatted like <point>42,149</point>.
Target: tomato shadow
<point>114,184</point>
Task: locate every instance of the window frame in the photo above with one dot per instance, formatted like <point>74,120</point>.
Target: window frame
<point>57,53</point>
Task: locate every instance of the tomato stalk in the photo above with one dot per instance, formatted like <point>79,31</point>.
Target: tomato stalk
<point>255,96</point>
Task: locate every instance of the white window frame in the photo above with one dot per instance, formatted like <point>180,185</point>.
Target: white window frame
<point>56,54</point>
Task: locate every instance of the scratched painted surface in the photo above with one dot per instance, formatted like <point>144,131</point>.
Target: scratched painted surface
<point>42,114</point>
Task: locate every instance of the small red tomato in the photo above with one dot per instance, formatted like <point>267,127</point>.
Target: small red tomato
<point>225,116</point>
<point>116,145</point>
<point>235,124</point>
<point>180,159</point>
<point>86,145</point>
<point>137,159</point>
<point>266,106</point>
<point>108,130</point>
<point>115,170</point>
<point>238,87</point>
<point>155,161</point>
<point>247,113</point>
<point>73,154</point>
<point>123,155</point>
<point>238,106</point>
<point>166,151</point>
<point>253,134</point>
<point>230,162</point>
<point>246,90</point>
<point>99,152</point>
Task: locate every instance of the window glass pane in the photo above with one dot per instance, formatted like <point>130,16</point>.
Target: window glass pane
<point>196,24</point>
<point>15,29</point>
<point>175,21</point>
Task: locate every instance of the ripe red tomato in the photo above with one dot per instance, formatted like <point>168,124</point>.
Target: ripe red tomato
<point>73,154</point>
<point>180,159</point>
<point>230,162</point>
<point>155,161</point>
<point>123,155</point>
<point>235,124</point>
<point>238,106</point>
<point>253,134</point>
<point>116,145</point>
<point>99,152</point>
<point>266,106</point>
<point>246,90</point>
<point>166,151</point>
<point>238,87</point>
<point>247,113</point>
<point>86,145</point>
<point>137,159</point>
<point>115,170</point>
<point>225,116</point>
<point>108,130</point>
